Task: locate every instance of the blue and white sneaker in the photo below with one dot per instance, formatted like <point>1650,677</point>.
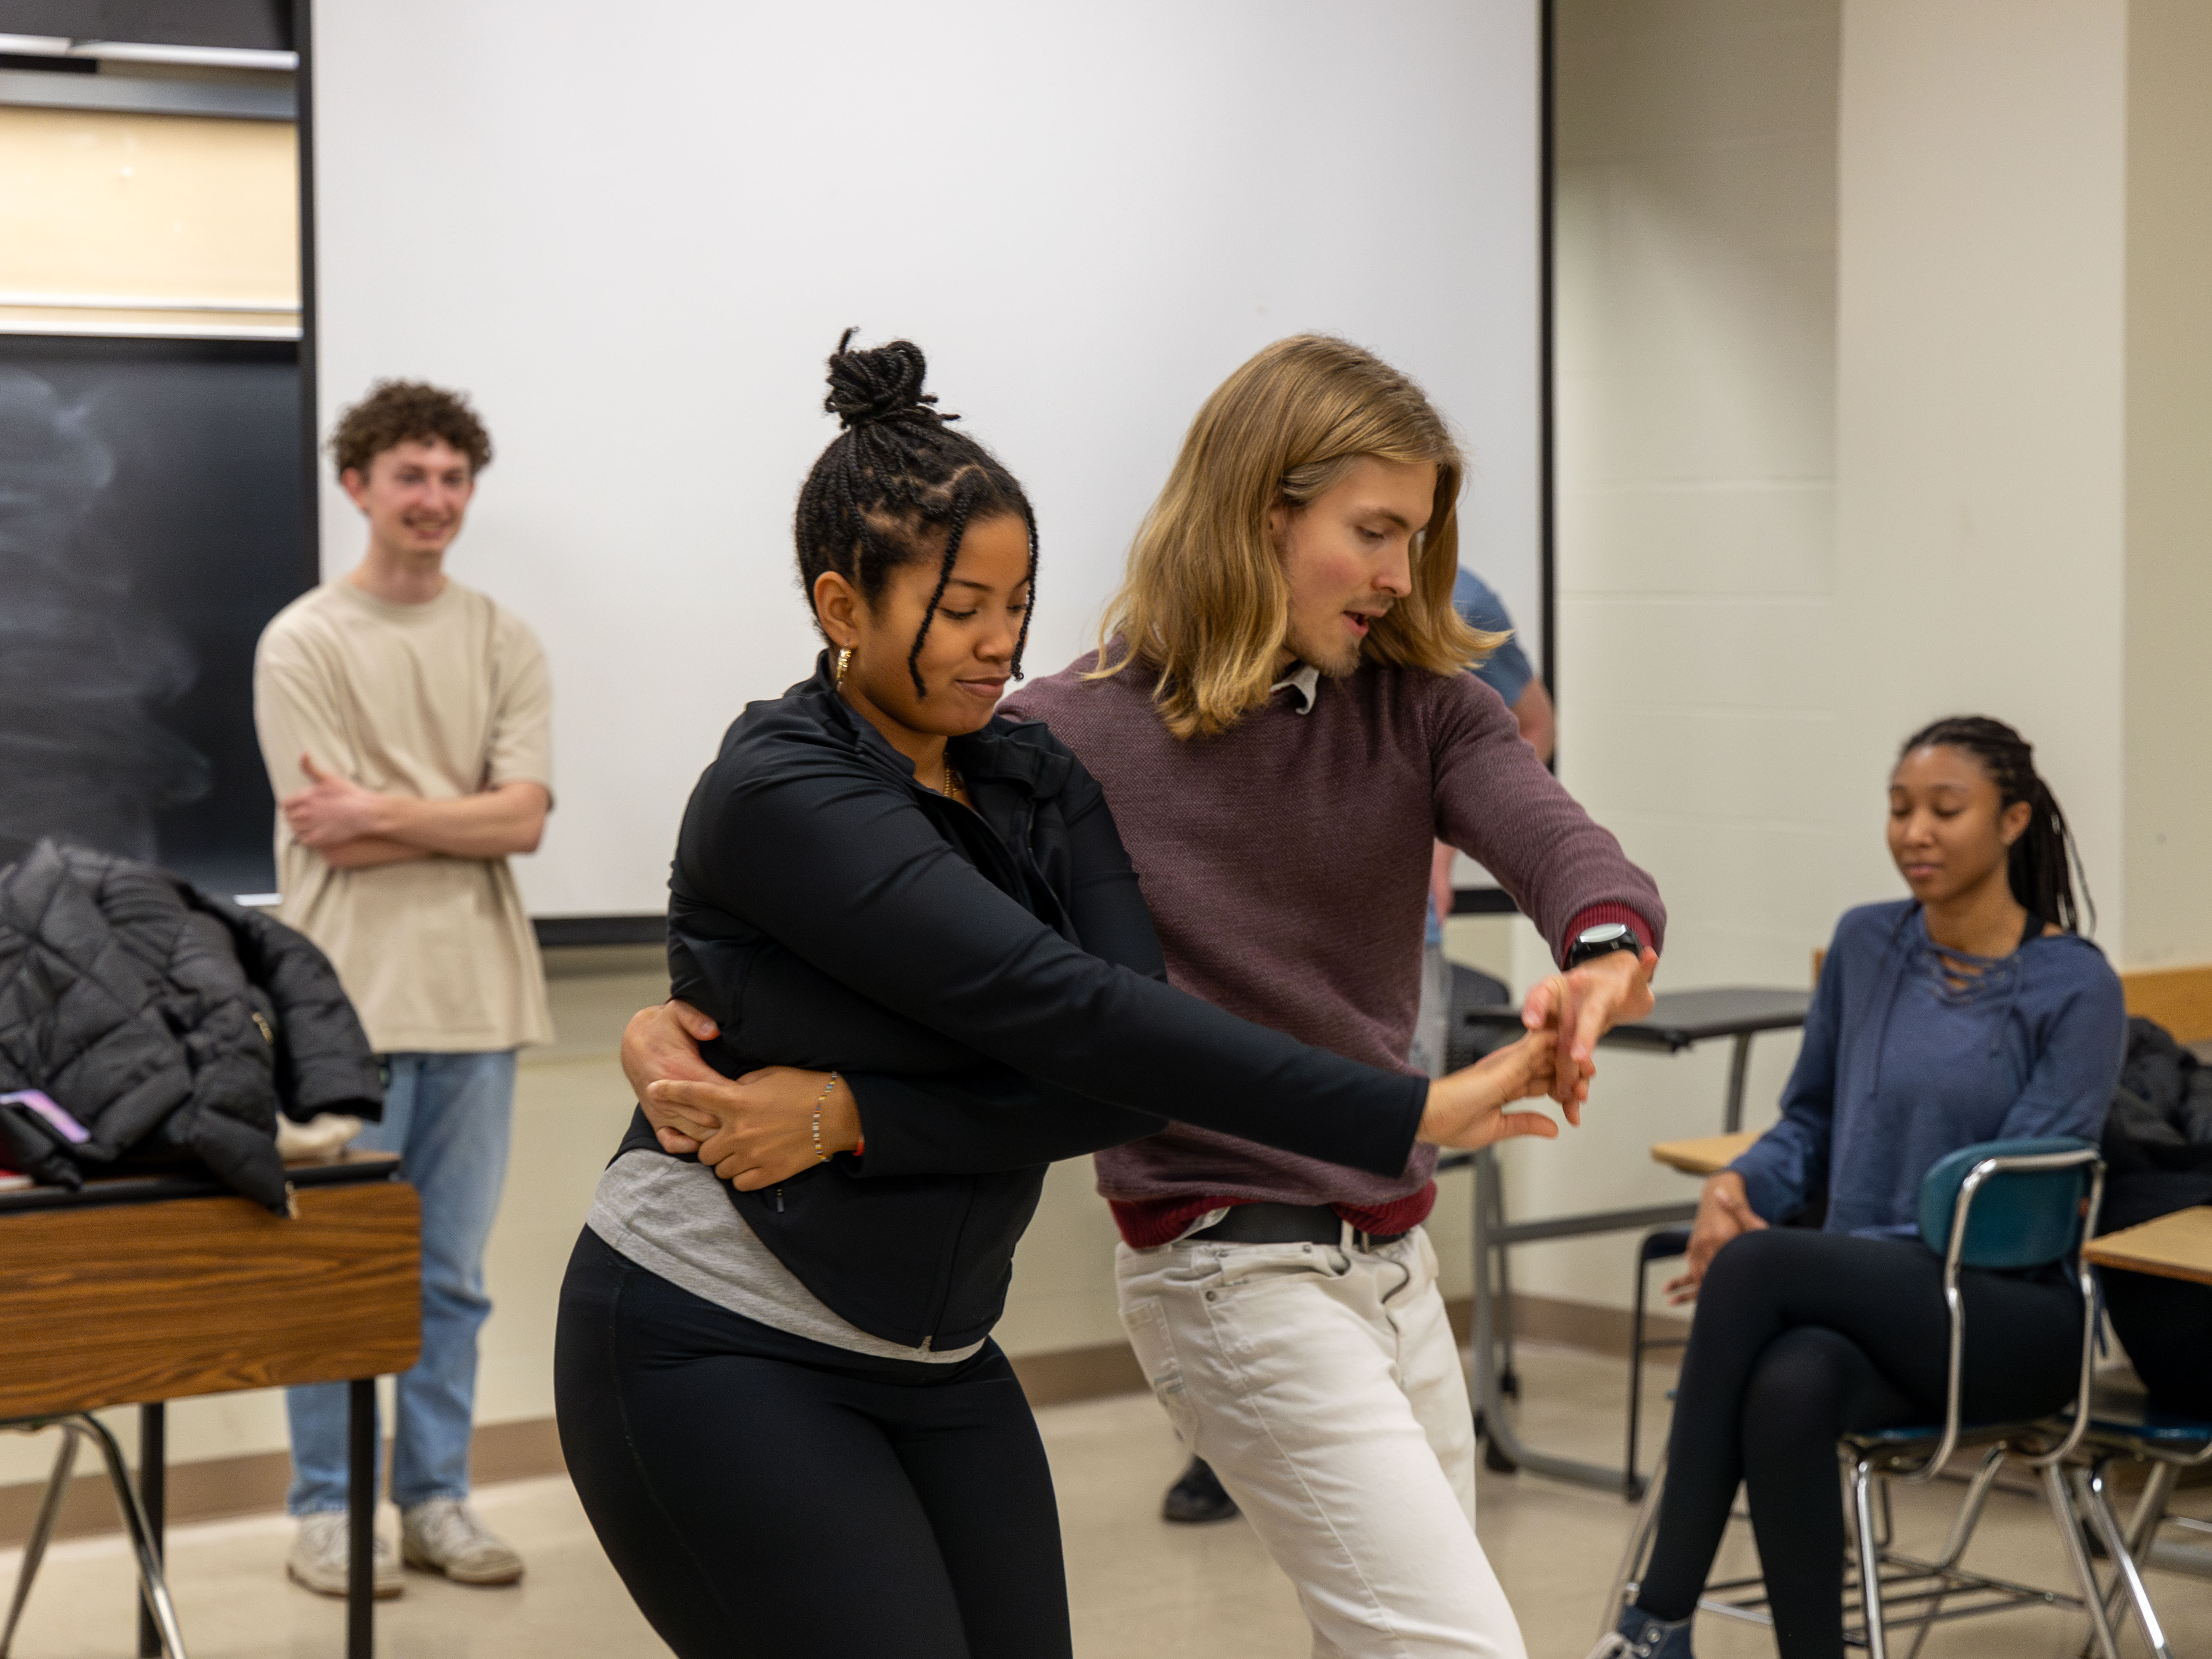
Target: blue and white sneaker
<point>1640,1636</point>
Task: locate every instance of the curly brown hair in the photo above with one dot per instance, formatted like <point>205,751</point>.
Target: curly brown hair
<point>408,411</point>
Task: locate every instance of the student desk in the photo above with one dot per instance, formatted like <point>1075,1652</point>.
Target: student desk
<point>1679,1020</point>
<point>138,1289</point>
<point>2175,1246</point>
<point>1701,1155</point>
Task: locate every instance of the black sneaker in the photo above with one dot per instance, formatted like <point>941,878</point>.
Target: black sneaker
<point>1640,1636</point>
<point>1197,1497</point>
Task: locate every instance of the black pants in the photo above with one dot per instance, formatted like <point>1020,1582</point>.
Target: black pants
<point>763,1494</point>
<point>1800,1337</point>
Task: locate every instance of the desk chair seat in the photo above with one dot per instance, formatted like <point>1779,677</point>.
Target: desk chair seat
<point>2042,1199</point>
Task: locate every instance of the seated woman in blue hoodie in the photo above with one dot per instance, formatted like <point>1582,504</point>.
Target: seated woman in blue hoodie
<point>1972,1011</point>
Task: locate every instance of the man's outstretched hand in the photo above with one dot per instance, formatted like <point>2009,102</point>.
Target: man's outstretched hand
<point>1581,1006</point>
<point>661,1044</point>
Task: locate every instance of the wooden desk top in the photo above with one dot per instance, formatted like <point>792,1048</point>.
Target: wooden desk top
<point>2177,1246</point>
<point>122,1303</point>
<point>1703,1154</point>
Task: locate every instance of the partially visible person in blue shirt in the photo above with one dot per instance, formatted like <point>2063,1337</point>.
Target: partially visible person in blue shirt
<point>1509,672</point>
<point>1972,1011</point>
<point>1904,1062</point>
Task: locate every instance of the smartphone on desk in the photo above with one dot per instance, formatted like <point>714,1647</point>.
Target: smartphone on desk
<point>56,1116</point>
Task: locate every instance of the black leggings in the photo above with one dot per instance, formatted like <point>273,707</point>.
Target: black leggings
<point>760,1493</point>
<point>1799,1338</point>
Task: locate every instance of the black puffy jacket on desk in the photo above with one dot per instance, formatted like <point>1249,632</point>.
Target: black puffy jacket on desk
<point>171,1024</point>
<point>989,981</point>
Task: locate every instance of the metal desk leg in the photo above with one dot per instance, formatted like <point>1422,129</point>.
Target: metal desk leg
<point>1739,1070</point>
<point>360,1504</point>
<point>1490,1233</point>
<point>153,1483</point>
<point>1509,1378</point>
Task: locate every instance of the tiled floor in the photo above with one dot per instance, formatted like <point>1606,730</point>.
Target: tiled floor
<point>1140,1587</point>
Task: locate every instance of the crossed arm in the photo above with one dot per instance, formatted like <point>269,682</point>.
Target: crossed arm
<point>354,828</point>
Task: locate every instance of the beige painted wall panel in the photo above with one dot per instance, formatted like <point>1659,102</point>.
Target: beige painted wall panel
<point>1697,551</point>
<point>92,202</point>
<point>1980,383</point>
<point>2168,656</point>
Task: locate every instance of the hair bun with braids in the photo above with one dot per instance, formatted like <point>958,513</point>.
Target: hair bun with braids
<point>898,486</point>
<point>882,383</point>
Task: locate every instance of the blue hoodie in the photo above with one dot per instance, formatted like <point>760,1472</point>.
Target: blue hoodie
<point>1898,1068</point>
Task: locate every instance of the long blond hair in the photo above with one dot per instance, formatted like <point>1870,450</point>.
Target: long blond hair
<point>1205,602</point>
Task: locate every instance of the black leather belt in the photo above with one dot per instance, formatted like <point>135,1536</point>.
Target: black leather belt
<point>1286,1224</point>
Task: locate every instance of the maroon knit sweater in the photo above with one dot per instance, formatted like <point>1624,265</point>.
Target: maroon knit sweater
<point>1286,863</point>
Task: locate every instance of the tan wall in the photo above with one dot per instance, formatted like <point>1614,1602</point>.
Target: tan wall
<point>2168,642</point>
<point>1696,254</point>
<point>93,203</point>
<point>1980,385</point>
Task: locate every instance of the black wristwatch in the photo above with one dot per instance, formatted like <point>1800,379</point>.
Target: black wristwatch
<point>1602,940</point>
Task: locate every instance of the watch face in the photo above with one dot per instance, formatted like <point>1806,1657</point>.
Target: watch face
<point>1604,933</point>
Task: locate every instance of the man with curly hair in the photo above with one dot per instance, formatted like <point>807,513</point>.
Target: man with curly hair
<point>405,722</point>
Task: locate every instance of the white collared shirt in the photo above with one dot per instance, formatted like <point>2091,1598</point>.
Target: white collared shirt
<point>1303,683</point>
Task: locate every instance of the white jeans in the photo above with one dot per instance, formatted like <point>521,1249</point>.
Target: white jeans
<point>1324,1387</point>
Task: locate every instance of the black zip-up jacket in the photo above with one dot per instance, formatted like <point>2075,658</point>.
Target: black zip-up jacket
<point>990,985</point>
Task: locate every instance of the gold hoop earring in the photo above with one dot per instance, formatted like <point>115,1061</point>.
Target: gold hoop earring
<point>844,662</point>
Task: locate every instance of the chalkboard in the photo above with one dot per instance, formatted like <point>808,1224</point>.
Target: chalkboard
<point>150,525</point>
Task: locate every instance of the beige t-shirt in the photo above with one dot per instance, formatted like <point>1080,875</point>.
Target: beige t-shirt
<point>437,702</point>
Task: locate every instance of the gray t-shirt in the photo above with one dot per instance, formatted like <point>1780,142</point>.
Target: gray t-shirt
<point>671,1217</point>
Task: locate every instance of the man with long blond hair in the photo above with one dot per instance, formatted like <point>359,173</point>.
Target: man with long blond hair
<point>1280,716</point>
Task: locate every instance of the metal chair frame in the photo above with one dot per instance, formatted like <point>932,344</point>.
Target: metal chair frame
<point>1887,1587</point>
<point>2129,1548</point>
<point>153,1587</point>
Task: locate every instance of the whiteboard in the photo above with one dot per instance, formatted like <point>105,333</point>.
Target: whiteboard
<point>633,237</point>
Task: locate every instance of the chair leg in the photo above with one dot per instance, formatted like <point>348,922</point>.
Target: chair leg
<point>2067,1521</point>
<point>1626,1577</point>
<point>2150,1507</point>
<point>151,1583</point>
<point>42,1531</point>
<point>2089,1486</point>
<point>1877,1644</point>
<point>1631,1488</point>
<point>1970,1509</point>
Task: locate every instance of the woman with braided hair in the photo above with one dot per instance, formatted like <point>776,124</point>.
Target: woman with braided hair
<point>777,1388</point>
<point>1972,1011</point>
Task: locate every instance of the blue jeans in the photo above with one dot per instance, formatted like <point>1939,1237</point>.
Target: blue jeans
<point>446,1116</point>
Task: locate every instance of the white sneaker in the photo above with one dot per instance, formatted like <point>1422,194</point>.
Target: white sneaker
<point>319,1557</point>
<point>444,1535</point>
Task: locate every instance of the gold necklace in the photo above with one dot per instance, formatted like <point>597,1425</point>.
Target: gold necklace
<point>955,786</point>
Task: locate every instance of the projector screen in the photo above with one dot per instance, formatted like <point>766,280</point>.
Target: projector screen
<point>632,236</point>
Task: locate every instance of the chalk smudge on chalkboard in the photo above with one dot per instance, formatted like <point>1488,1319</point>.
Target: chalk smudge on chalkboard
<point>82,758</point>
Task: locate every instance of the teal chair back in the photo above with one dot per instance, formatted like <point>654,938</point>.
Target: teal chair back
<point>2020,1217</point>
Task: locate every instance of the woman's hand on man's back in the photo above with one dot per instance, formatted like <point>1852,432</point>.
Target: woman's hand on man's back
<point>1723,1212</point>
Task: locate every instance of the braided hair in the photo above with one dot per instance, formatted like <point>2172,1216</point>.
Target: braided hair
<point>895,476</point>
<point>2044,864</point>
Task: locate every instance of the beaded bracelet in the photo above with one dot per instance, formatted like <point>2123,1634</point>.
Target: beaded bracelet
<point>827,1089</point>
